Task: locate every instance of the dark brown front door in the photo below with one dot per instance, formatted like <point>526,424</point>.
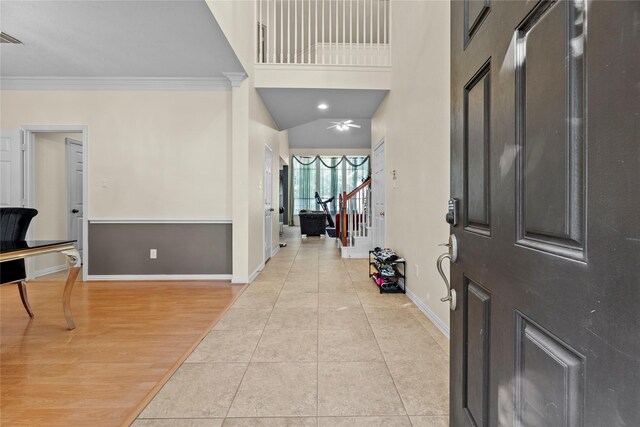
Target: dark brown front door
<point>546,164</point>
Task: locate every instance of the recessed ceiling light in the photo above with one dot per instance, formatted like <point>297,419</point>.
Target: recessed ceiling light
<point>322,106</point>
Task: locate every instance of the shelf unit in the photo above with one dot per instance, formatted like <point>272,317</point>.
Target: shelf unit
<point>374,267</point>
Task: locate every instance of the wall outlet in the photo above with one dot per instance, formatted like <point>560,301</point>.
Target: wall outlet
<point>153,253</point>
<point>417,269</point>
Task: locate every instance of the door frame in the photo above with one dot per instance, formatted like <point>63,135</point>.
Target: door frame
<point>374,191</point>
<point>29,133</point>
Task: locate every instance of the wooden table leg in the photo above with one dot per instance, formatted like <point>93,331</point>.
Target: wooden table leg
<point>74,261</point>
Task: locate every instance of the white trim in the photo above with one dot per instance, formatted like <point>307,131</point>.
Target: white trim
<point>29,175</point>
<point>49,270</point>
<point>251,278</point>
<point>440,324</point>
<point>169,277</point>
<point>159,221</point>
<point>117,83</point>
<point>235,78</point>
<point>275,249</point>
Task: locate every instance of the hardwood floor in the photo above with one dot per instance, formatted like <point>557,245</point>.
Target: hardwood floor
<point>129,339</point>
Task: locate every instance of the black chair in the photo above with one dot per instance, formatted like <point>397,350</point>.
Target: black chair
<point>313,223</point>
<point>14,223</point>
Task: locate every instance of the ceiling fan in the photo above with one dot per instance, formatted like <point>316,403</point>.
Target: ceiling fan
<point>344,125</point>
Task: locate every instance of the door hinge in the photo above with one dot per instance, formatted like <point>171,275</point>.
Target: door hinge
<point>23,145</point>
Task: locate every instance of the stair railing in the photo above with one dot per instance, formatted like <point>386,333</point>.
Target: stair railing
<point>355,213</point>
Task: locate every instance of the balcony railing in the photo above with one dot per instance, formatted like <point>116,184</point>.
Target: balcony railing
<point>323,32</point>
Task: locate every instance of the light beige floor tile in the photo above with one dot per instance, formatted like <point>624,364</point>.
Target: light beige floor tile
<point>178,422</point>
<point>260,300</point>
<point>277,390</point>
<point>297,300</point>
<point>271,422</point>
<point>272,277</point>
<point>403,345</point>
<point>304,268</point>
<point>423,386</point>
<point>261,279</point>
<point>243,318</point>
<point>366,287</point>
<point>286,345</point>
<point>342,318</point>
<point>332,267</point>
<point>305,287</point>
<point>376,299</point>
<point>338,300</point>
<point>364,422</point>
<point>197,390</point>
<point>356,388</point>
<point>392,318</point>
<point>359,276</point>
<point>342,285</point>
<point>357,345</point>
<point>436,334</point>
<point>333,275</point>
<point>226,346</point>
<point>303,277</point>
<point>435,421</point>
<point>293,318</point>
<point>263,287</point>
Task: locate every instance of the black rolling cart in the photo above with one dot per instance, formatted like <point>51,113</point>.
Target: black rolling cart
<point>399,267</point>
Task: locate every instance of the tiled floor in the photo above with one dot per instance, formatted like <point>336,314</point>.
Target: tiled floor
<point>311,342</point>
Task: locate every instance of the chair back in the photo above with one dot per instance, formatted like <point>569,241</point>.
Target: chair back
<point>14,223</point>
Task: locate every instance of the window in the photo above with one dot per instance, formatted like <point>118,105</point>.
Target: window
<point>327,175</point>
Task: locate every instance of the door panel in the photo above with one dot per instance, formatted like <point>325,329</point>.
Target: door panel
<point>549,237</point>
<point>477,111</point>
<point>268,201</point>
<point>549,379</point>
<point>476,352</point>
<point>75,202</point>
<point>10,168</point>
<point>551,129</point>
<point>377,187</point>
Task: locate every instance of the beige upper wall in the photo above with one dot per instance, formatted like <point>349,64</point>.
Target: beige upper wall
<point>414,120</point>
<point>236,18</point>
<point>152,154</point>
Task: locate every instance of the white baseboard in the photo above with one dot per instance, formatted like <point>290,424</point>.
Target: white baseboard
<point>249,279</point>
<point>429,313</point>
<point>170,277</point>
<point>275,250</point>
<point>49,270</point>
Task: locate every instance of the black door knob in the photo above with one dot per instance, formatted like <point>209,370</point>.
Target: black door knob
<point>75,211</point>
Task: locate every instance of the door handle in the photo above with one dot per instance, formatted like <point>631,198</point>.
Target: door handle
<point>74,211</point>
<point>452,255</point>
<point>271,210</point>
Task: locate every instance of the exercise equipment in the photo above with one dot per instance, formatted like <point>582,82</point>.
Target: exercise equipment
<point>324,204</point>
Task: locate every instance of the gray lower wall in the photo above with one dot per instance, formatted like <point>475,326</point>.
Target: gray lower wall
<point>185,248</point>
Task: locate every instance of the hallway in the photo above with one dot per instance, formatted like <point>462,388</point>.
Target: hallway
<point>311,342</point>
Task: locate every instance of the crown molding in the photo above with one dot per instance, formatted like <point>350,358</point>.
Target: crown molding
<point>117,83</point>
<point>236,78</point>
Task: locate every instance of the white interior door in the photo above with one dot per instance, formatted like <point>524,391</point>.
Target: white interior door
<point>268,209</point>
<point>75,202</point>
<point>377,187</point>
<point>11,168</point>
